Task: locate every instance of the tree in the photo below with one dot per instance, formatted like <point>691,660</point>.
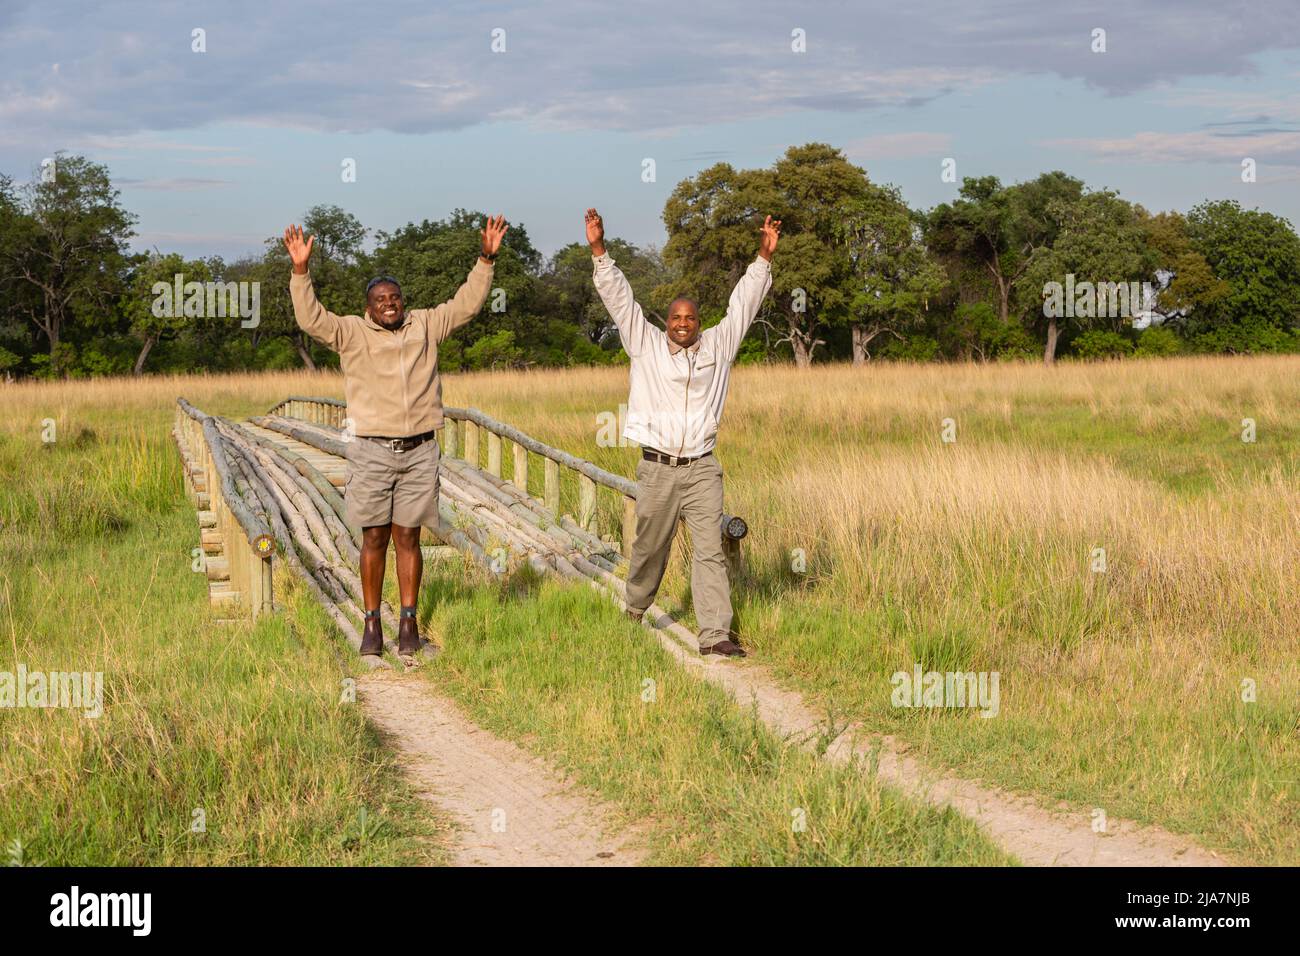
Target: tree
<point>1101,242</point>
<point>1257,255</point>
<point>567,292</point>
<point>713,222</point>
<point>137,306</point>
<point>893,275</point>
<point>999,228</point>
<point>68,245</point>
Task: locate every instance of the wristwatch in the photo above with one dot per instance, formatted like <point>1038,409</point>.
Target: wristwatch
<point>490,258</point>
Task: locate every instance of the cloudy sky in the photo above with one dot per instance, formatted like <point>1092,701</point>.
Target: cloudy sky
<point>217,150</point>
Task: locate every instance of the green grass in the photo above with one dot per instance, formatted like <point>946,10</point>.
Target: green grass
<point>246,723</point>
<point>702,781</point>
<point>242,723</point>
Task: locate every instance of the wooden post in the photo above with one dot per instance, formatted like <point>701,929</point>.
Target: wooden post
<point>586,503</point>
<point>552,492</point>
<point>262,591</point>
<point>471,443</point>
<point>520,477</point>
<point>494,454</point>
<point>629,524</point>
<point>449,438</point>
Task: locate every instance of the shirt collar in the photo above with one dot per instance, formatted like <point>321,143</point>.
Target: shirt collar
<point>673,348</point>
<point>370,320</point>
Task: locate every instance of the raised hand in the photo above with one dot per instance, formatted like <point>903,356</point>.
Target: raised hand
<point>770,233</point>
<point>492,233</point>
<point>595,232</point>
<point>299,251</point>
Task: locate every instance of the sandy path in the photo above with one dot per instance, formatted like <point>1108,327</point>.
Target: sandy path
<point>1024,829</point>
<point>513,809</point>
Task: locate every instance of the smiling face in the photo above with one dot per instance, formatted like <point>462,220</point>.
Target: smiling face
<point>683,323</point>
<point>384,301</point>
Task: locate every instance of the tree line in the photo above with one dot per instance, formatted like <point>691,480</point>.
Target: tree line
<point>1031,270</point>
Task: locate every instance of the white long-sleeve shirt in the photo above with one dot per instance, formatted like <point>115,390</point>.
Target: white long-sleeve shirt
<point>677,394</point>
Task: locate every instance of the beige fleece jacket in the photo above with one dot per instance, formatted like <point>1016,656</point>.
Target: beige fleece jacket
<point>390,378</point>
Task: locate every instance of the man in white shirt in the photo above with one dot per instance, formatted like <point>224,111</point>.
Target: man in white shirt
<point>678,388</point>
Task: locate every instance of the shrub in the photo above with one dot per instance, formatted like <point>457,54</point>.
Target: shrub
<point>916,348</point>
<point>1100,344</point>
<point>1158,341</point>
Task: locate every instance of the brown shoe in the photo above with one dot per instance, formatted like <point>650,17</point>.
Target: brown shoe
<point>408,637</point>
<point>372,638</point>
<point>723,648</point>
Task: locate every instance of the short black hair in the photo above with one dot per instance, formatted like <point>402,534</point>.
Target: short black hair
<point>377,280</point>
<point>684,298</point>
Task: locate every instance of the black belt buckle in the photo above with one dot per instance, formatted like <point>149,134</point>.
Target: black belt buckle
<point>672,461</point>
<point>399,445</point>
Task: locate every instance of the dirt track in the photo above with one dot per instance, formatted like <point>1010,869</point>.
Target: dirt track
<point>1024,829</point>
<point>512,808</point>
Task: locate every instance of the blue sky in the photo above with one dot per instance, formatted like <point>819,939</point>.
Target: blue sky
<point>217,151</point>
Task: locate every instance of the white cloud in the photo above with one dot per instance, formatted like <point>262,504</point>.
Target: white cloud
<point>900,146</point>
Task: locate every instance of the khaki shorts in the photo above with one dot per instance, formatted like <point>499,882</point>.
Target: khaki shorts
<point>388,487</point>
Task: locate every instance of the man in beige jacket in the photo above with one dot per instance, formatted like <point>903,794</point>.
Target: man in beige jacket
<point>389,358</point>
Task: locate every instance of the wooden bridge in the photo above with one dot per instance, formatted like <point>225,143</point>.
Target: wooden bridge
<point>268,492</point>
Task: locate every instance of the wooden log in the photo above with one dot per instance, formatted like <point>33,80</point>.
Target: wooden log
<point>494,454</point>
<point>207,519</point>
<point>308,436</point>
<point>217,568</point>
<point>448,448</point>
<point>326,491</point>
<point>258,534</point>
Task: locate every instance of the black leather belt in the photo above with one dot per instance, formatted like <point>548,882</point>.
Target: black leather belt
<point>649,454</point>
<point>399,445</point>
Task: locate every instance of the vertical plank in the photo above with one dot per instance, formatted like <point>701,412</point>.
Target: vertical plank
<point>552,491</point>
<point>520,477</point>
<point>629,524</point>
<point>471,443</point>
<point>449,438</point>
<point>586,503</point>
<point>494,454</point>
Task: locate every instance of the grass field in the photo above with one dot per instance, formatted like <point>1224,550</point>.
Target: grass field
<point>1121,689</point>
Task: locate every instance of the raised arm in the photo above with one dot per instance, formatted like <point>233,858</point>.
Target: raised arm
<point>748,294</point>
<point>613,288</point>
<point>312,317</point>
<point>469,298</point>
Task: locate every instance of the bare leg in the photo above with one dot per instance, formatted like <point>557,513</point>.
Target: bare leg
<point>410,563</point>
<point>410,568</point>
<point>374,555</point>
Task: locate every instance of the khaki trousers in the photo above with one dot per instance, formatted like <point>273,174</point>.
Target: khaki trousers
<point>692,492</point>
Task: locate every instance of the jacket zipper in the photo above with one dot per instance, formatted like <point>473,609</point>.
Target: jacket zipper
<point>406,403</point>
<point>686,406</point>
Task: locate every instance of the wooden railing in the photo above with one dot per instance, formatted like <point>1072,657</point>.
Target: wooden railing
<point>240,574</point>
<point>463,435</point>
